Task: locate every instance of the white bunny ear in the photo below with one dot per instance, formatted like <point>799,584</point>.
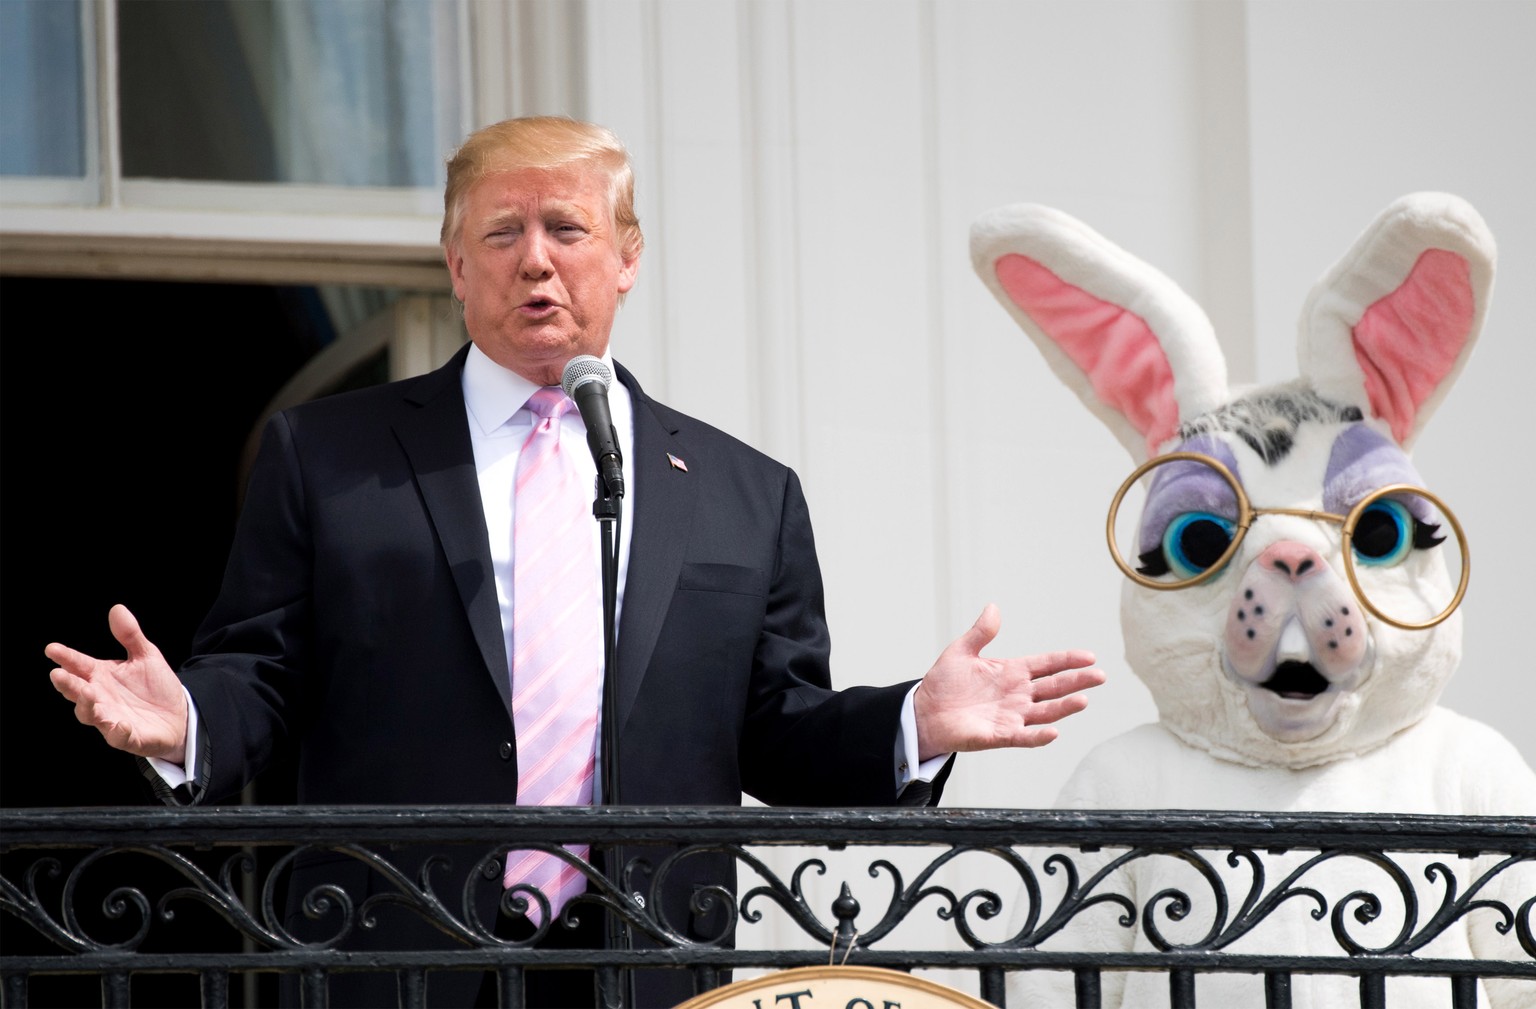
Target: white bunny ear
<point>1389,328</point>
<point>1133,346</point>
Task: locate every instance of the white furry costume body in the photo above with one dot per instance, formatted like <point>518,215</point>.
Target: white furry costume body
<point>1443,763</point>
<point>1275,689</point>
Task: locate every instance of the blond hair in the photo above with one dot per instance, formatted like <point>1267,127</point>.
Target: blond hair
<point>545,142</point>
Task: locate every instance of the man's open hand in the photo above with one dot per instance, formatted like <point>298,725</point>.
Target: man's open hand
<point>970,702</point>
<point>137,702</point>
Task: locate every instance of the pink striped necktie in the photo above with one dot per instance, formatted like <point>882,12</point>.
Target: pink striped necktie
<point>556,634</point>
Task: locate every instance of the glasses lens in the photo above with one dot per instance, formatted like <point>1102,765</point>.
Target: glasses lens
<point>1176,525</point>
<point>1407,557</point>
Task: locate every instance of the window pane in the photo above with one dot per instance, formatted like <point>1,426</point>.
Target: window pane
<point>42,110</point>
<point>316,93</point>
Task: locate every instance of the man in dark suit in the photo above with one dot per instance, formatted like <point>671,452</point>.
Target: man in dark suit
<point>367,610</point>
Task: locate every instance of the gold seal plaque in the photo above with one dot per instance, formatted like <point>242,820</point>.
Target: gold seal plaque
<point>836,988</point>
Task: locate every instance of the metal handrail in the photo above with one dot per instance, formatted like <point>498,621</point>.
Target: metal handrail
<point>215,854</point>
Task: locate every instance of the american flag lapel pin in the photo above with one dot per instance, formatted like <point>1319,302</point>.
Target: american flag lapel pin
<point>676,462</point>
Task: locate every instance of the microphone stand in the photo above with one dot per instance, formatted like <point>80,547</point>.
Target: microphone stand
<point>606,509</point>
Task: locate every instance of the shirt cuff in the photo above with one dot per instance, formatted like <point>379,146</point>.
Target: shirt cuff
<point>906,749</point>
<point>176,775</point>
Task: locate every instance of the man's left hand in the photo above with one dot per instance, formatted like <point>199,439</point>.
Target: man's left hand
<point>970,702</point>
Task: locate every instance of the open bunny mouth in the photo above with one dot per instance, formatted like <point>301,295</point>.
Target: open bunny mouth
<point>1291,695</point>
<point>1296,681</point>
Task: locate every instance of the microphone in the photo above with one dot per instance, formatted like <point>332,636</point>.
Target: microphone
<point>585,379</point>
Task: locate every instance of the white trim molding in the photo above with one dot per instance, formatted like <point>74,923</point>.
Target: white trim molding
<point>222,246</point>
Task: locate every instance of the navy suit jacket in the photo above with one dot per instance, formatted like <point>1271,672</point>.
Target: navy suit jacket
<point>358,618</point>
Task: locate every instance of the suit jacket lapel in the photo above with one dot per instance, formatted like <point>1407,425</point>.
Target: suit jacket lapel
<point>435,437</point>
<point>663,513</point>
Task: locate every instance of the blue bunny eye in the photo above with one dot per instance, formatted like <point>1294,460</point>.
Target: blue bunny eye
<point>1196,540</point>
<point>1384,534</point>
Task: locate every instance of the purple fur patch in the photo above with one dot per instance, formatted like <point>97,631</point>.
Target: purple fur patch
<point>1363,460</point>
<point>1187,486</point>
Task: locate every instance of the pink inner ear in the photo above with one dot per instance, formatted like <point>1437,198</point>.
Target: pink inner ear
<point>1115,348</point>
<point>1408,342</point>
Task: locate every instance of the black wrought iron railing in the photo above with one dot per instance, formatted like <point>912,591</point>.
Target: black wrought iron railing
<point>129,904</point>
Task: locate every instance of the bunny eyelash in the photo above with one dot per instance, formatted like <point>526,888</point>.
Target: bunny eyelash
<point>1267,420</point>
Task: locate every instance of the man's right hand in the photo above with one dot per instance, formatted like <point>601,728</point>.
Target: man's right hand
<point>137,703</point>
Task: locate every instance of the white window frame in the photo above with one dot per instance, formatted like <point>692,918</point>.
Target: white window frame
<point>106,226</point>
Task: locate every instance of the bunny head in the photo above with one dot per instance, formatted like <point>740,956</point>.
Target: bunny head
<point>1266,655</point>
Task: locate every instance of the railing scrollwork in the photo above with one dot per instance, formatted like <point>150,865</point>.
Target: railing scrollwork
<point>995,892</point>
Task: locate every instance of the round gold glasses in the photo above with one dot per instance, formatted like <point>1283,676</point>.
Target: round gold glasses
<point>1391,518</point>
